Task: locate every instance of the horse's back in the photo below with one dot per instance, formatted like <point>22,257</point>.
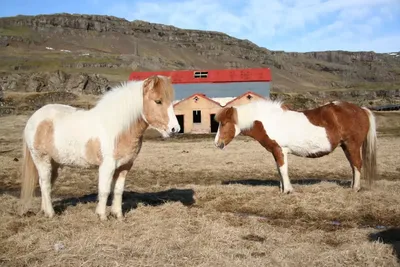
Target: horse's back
<point>348,115</point>
<point>60,131</point>
<point>342,120</point>
<point>50,111</point>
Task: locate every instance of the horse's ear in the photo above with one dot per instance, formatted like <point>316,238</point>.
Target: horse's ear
<point>286,107</point>
<point>229,112</point>
<point>225,113</point>
<point>151,82</point>
<point>219,115</point>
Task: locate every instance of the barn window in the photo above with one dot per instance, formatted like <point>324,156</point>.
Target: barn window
<point>196,116</point>
<point>249,97</point>
<point>201,74</point>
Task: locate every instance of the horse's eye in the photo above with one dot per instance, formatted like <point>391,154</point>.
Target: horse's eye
<point>158,102</point>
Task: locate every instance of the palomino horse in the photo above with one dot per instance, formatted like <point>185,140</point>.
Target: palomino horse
<point>108,136</point>
<point>310,133</point>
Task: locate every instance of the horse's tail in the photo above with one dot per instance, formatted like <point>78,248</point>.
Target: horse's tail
<point>29,178</point>
<point>369,150</point>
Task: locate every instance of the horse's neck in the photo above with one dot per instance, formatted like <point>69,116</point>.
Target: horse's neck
<point>129,142</point>
<point>119,110</point>
<point>247,115</point>
<point>268,115</point>
<point>136,129</point>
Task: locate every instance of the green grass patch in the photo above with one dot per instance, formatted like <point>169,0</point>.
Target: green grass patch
<point>375,86</point>
<point>396,70</point>
<point>364,86</point>
<point>52,62</point>
<point>115,74</point>
<point>16,31</point>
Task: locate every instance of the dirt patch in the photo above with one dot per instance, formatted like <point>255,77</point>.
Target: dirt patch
<point>388,122</point>
<point>171,233</point>
<point>26,103</point>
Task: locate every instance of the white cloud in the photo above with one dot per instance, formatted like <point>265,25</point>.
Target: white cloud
<point>292,25</point>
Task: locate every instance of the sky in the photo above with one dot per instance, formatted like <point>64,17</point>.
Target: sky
<point>289,25</point>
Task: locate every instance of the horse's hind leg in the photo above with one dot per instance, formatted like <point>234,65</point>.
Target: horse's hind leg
<point>54,172</point>
<point>45,170</point>
<point>353,154</point>
<point>287,186</point>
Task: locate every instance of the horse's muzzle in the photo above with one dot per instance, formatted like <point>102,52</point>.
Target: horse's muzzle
<point>220,145</point>
<point>176,129</point>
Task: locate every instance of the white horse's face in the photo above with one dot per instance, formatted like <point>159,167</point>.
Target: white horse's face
<point>158,111</point>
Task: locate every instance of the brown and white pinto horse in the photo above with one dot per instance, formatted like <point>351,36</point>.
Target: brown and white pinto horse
<point>310,133</point>
<point>108,137</point>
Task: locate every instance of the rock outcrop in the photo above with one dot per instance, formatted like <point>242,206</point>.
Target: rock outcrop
<point>79,83</point>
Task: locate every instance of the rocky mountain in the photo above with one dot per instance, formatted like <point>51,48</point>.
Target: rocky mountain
<point>87,53</point>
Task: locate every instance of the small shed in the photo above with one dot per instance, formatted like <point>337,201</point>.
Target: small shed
<point>196,114</point>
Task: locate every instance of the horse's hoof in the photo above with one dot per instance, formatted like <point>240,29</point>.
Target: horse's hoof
<point>102,217</point>
<point>356,189</point>
<point>288,191</point>
<point>118,215</point>
<point>49,214</point>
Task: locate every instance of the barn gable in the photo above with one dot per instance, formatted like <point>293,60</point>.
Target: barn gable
<point>245,98</point>
<point>196,100</point>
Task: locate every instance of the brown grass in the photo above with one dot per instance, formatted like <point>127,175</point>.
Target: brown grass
<point>239,217</point>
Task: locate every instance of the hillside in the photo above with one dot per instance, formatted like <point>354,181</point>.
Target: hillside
<point>64,52</point>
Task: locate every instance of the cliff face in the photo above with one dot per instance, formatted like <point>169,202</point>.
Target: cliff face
<point>33,46</point>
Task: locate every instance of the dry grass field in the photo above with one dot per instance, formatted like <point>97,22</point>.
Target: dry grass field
<point>190,204</point>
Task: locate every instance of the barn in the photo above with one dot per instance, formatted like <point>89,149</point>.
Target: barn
<point>196,113</point>
<point>215,83</point>
<point>199,94</point>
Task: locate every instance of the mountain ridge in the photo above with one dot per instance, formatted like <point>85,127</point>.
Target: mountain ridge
<point>113,47</point>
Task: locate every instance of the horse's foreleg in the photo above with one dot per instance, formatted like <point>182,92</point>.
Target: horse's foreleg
<point>116,208</point>
<point>106,172</point>
<point>282,165</point>
<point>281,158</point>
<point>119,184</point>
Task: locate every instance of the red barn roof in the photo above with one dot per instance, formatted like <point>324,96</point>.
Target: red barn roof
<point>209,76</point>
